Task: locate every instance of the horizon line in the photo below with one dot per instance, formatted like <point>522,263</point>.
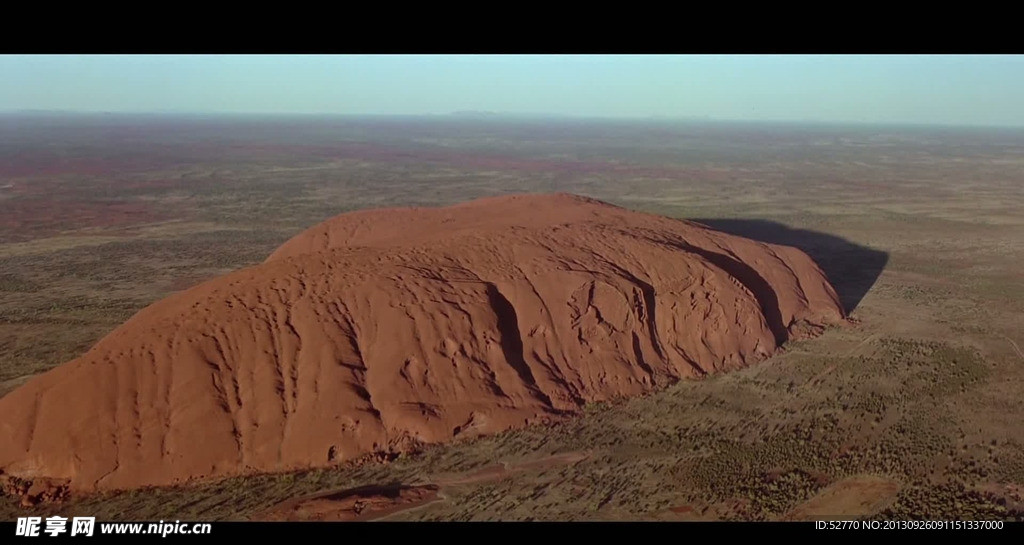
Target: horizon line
<point>498,115</point>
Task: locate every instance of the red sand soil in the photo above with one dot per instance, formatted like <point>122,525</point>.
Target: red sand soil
<point>506,469</point>
<point>379,330</point>
<point>856,496</point>
<point>373,502</point>
<point>357,504</point>
<point>27,218</point>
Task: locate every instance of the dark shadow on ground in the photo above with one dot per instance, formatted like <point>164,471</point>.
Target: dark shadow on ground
<point>391,490</point>
<point>851,268</point>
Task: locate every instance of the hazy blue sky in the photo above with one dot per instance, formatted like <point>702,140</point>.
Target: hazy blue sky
<point>973,90</point>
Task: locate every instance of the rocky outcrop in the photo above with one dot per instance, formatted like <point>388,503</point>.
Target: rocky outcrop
<point>380,329</point>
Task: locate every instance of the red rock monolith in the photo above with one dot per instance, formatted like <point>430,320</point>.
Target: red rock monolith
<point>381,329</point>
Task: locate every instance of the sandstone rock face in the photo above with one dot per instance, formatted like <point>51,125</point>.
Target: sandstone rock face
<point>380,329</point>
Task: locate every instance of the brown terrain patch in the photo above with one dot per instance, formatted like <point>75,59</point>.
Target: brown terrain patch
<point>40,217</point>
<point>372,502</point>
<point>356,504</point>
<point>855,496</point>
<point>507,469</point>
<point>731,508</point>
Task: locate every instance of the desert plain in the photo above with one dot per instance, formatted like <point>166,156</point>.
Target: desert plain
<point>910,409</point>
